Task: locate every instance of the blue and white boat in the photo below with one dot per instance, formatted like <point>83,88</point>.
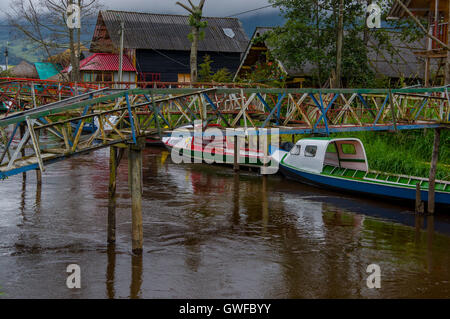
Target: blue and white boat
<point>341,164</point>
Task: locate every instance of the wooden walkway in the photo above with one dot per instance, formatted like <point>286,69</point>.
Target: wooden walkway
<point>99,118</point>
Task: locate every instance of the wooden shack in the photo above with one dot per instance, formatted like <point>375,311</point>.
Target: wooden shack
<point>158,45</point>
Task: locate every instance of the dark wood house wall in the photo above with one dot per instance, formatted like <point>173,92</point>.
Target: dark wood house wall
<point>169,64</point>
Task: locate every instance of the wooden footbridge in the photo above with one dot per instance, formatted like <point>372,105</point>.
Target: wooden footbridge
<point>59,122</point>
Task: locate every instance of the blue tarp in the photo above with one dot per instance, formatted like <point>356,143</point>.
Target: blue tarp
<point>46,70</point>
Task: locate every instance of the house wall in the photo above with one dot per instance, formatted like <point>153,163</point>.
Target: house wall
<point>126,76</point>
<point>172,63</point>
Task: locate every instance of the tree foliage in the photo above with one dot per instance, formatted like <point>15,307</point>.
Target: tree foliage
<point>308,38</point>
<point>206,73</point>
<point>44,23</point>
<point>197,34</point>
<point>266,71</point>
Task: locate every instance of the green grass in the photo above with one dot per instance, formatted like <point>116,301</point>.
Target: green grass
<point>407,152</point>
<point>27,51</point>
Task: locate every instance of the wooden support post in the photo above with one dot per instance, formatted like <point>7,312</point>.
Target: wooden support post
<point>236,154</point>
<point>38,177</point>
<point>33,94</point>
<point>433,168</point>
<point>135,177</point>
<point>419,203</point>
<point>22,134</point>
<point>112,195</point>
<point>427,72</point>
<point>393,111</point>
<point>35,142</point>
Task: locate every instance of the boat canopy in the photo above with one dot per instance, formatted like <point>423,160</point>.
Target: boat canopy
<point>312,154</point>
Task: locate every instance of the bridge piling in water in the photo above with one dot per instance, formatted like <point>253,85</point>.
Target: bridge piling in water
<point>112,194</point>
<point>419,203</point>
<point>433,168</point>
<point>135,179</point>
<point>38,177</point>
<point>236,154</point>
<point>81,118</point>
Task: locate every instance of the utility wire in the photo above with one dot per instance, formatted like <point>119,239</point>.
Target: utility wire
<point>248,11</point>
<point>230,16</point>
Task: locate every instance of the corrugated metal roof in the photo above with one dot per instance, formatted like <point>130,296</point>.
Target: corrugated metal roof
<point>106,62</point>
<point>170,32</point>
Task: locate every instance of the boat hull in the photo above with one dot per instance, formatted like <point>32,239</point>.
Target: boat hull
<point>223,159</point>
<point>361,187</point>
<point>218,154</point>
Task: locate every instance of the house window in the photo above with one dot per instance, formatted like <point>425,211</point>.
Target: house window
<point>310,151</point>
<point>88,77</point>
<point>296,150</point>
<point>97,77</point>
<point>184,78</point>
<point>107,77</point>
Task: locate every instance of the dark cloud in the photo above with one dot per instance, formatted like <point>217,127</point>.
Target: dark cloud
<point>212,8</point>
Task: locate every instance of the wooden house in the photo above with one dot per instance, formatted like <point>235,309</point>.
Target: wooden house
<point>401,62</point>
<point>436,13</point>
<point>158,45</point>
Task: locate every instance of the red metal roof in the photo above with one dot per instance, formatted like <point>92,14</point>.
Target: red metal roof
<point>106,62</point>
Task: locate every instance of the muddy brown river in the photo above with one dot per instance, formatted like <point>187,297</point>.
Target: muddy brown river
<point>209,233</point>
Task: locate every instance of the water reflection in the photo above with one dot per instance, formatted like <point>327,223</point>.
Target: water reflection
<point>136,276</point>
<point>236,216</point>
<point>38,196</point>
<point>264,203</point>
<point>111,271</point>
<point>210,233</point>
<point>430,234</point>
<point>23,197</point>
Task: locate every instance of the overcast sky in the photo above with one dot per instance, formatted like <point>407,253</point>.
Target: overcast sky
<point>220,8</point>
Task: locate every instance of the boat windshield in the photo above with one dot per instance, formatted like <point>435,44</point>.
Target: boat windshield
<point>348,154</point>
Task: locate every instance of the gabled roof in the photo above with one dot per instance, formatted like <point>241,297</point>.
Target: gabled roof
<point>24,70</point>
<point>169,32</point>
<point>417,7</point>
<point>105,62</point>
